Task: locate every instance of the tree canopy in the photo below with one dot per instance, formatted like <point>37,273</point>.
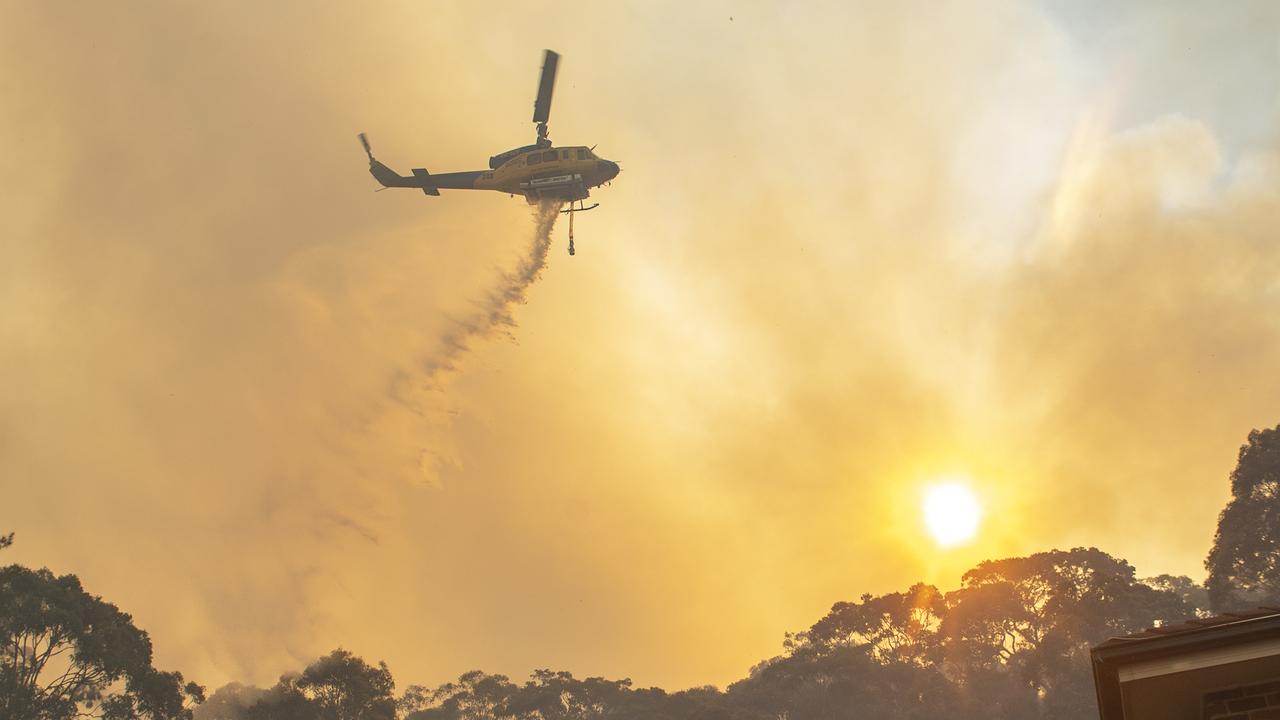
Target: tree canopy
<point>1244,563</point>
<point>65,653</point>
<point>1012,642</point>
<point>338,686</point>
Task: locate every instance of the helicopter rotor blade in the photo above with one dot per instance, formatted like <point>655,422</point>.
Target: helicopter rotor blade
<point>367,150</point>
<point>546,84</point>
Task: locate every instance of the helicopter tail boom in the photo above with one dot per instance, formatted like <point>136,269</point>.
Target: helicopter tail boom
<point>426,182</point>
<point>423,180</point>
<point>465,180</point>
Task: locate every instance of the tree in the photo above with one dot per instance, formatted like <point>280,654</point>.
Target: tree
<point>475,696</point>
<point>65,653</point>
<point>841,682</point>
<point>897,627</point>
<point>1244,563</point>
<point>338,686</point>
<point>229,702</point>
<point>550,695</point>
<point>1037,616</point>
<point>1195,596</point>
<point>1012,642</point>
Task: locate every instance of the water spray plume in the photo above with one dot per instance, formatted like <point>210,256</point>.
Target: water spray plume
<point>495,311</point>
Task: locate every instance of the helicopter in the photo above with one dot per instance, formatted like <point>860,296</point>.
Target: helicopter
<point>540,171</point>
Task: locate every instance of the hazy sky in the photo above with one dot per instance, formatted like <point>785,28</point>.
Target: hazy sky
<point>854,247</point>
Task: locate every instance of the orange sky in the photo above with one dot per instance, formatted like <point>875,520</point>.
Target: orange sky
<point>852,249</point>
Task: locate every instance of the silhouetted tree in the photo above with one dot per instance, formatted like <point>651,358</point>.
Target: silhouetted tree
<point>697,703</point>
<point>1037,616</point>
<point>475,696</point>
<point>338,686</point>
<point>552,695</point>
<point>898,627</point>
<point>66,653</point>
<point>229,702</point>
<point>1012,643</point>
<point>841,682</point>
<point>1193,594</point>
<point>1244,563</point>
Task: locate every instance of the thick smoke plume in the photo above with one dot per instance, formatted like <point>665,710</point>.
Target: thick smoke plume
<point>981,251</point>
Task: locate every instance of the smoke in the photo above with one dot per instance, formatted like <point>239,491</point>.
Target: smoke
<point>978,250</point>
<point>206,356</point>
<point>229,702</point>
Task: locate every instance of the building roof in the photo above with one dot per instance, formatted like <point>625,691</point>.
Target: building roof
<point>1194,626</point>
<point>1168,645</point>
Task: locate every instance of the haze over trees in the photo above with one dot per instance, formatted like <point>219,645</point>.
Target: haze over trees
<point>1011,642</point>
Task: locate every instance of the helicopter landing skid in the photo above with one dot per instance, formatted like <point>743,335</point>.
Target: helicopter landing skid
<point>580,209</point>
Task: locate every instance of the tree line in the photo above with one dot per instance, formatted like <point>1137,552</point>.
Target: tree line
<point>1011,642</point>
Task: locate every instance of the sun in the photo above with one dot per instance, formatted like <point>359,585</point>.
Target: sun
<point>951,512</point>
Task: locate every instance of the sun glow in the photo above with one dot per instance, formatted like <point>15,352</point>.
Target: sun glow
<point>951,512</point>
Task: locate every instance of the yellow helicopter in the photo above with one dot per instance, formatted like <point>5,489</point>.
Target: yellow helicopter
<point>539,171</point>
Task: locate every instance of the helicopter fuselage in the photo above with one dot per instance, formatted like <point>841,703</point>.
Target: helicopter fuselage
<point>564,173</point>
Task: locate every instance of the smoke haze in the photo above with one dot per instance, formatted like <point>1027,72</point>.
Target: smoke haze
<point>853,248</point>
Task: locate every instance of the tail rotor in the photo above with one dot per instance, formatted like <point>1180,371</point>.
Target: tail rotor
<point>390,178</point>
<point>364,141</point>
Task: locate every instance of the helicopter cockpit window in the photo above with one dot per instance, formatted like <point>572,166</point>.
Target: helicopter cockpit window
<point>548,156</point>
<point>564,154</point>
<point>535,158</point>
<point>582,153</point>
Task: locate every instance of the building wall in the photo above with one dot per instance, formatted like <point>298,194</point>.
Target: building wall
<point>1250,690</point>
